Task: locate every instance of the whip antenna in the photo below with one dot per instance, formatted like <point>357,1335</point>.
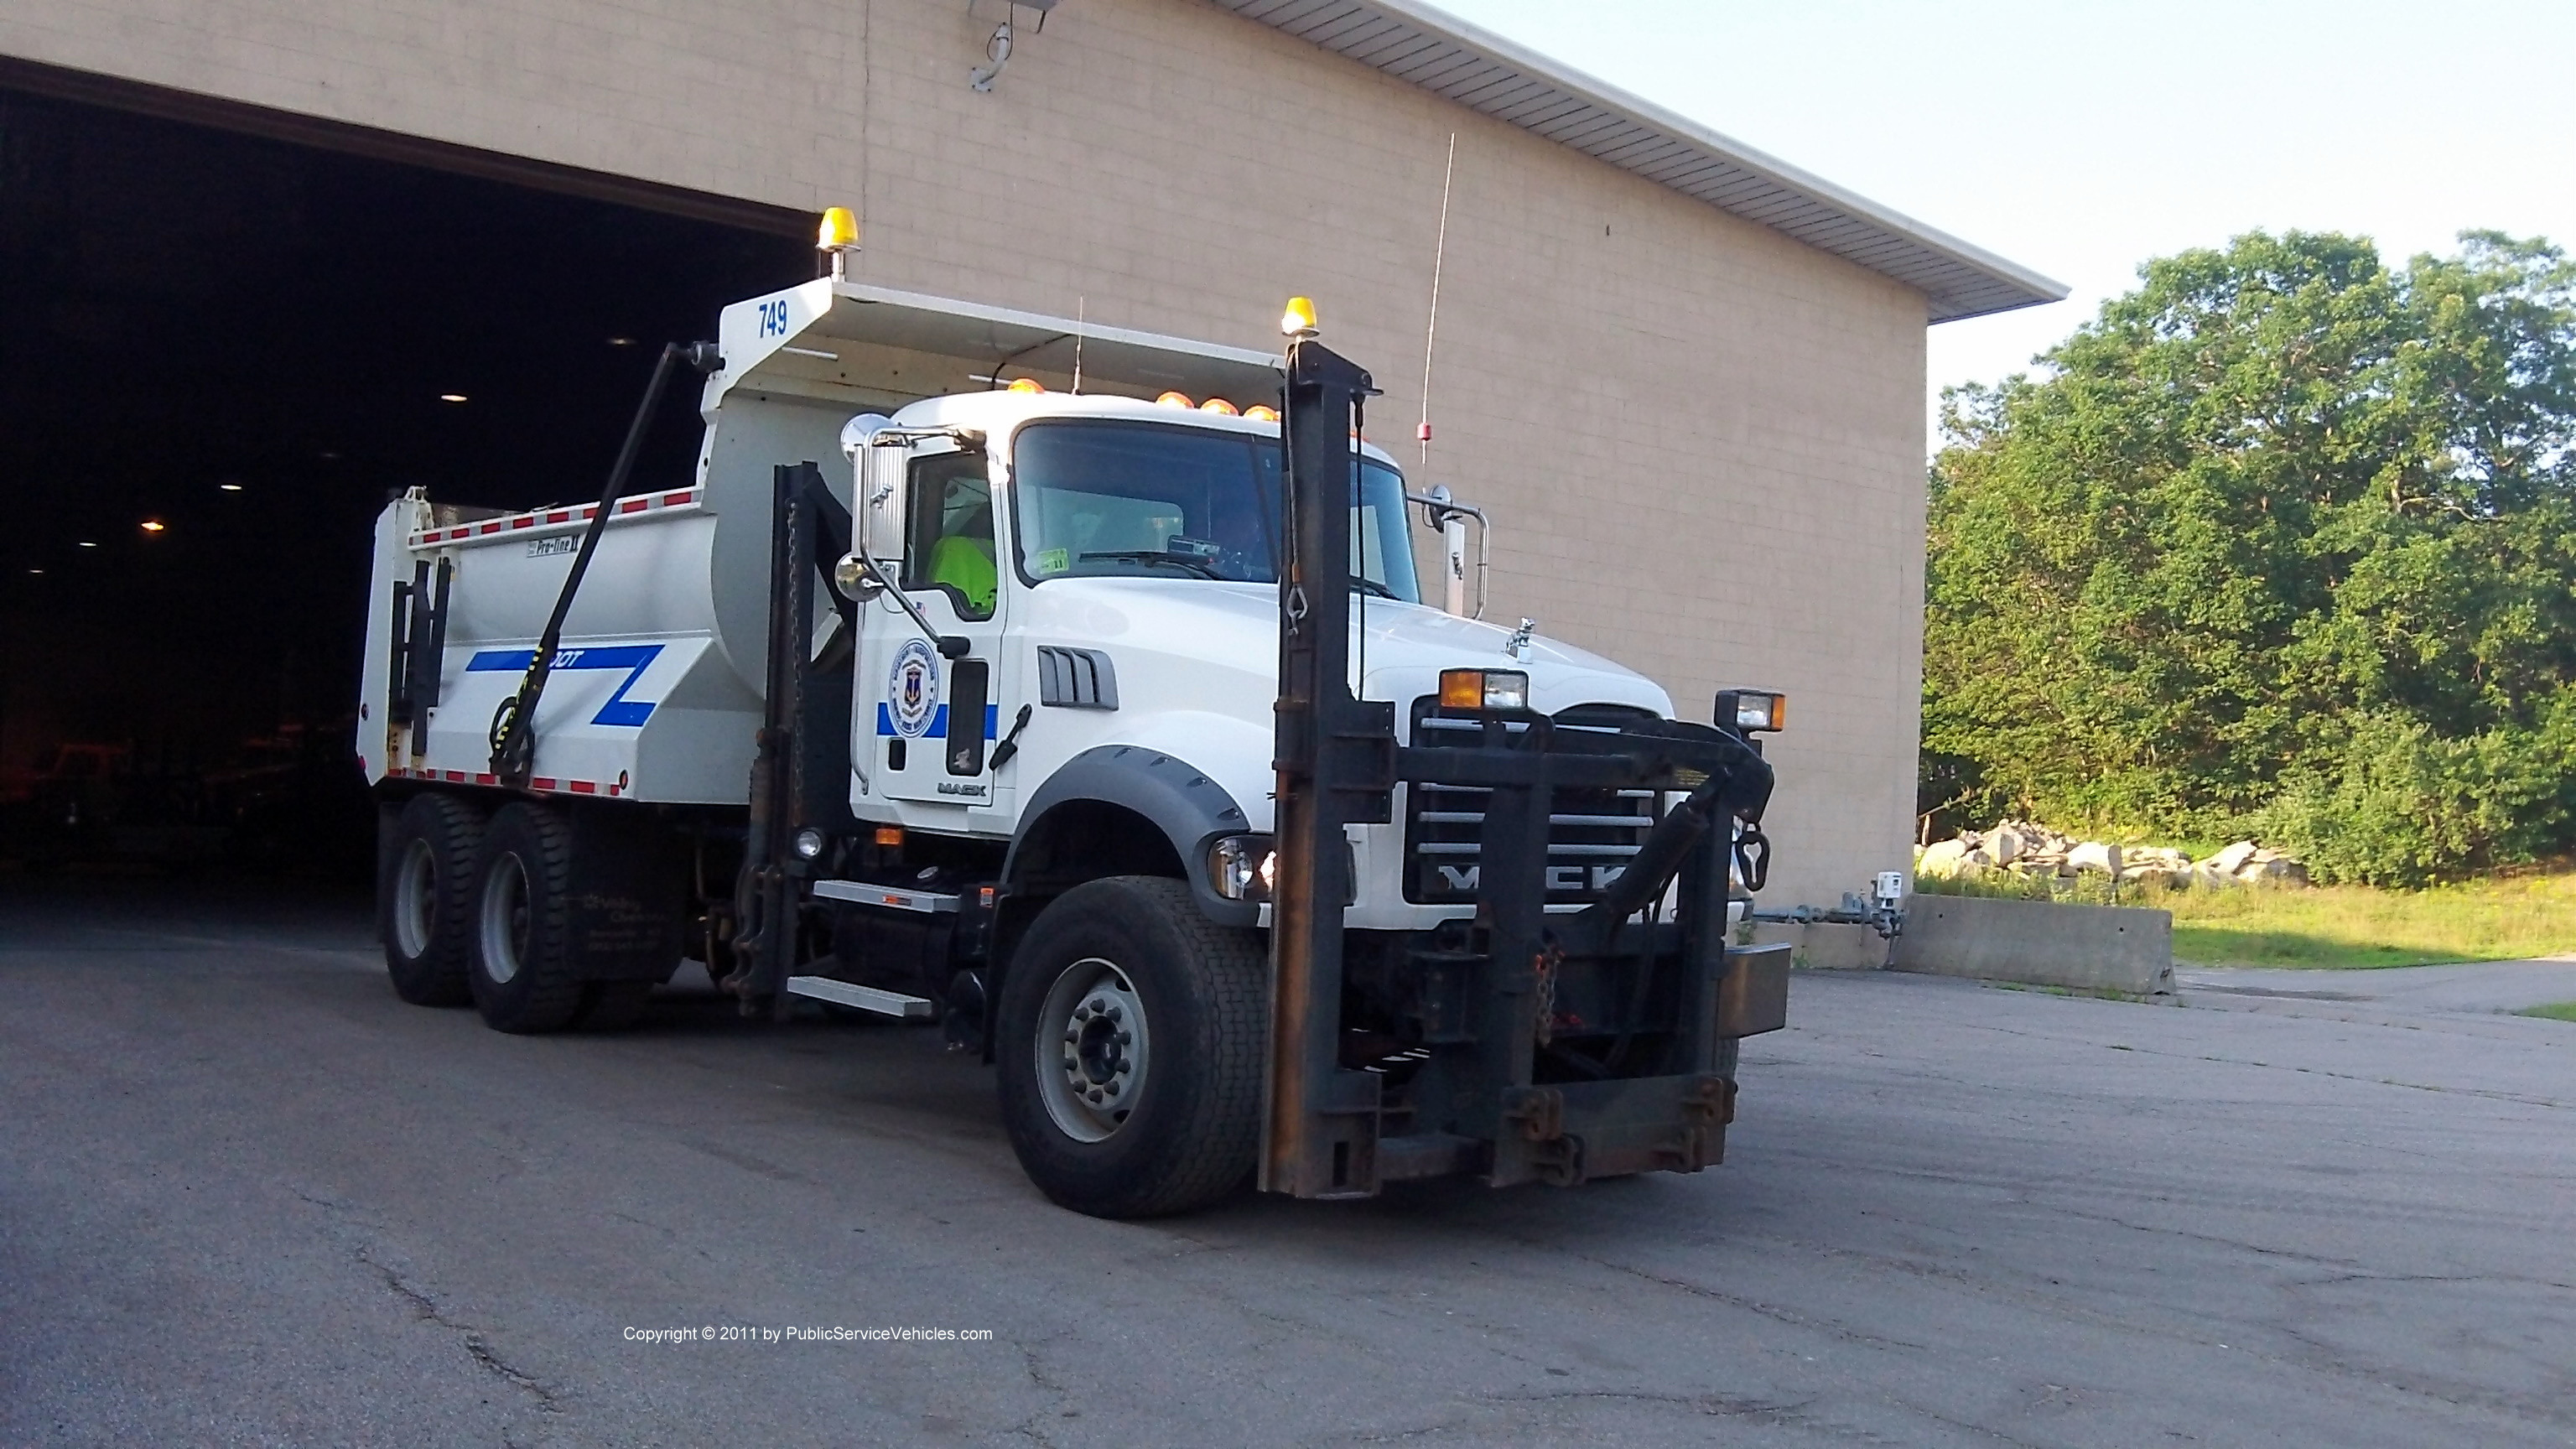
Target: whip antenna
<point>1080,306</point>
<point>1431,330</point>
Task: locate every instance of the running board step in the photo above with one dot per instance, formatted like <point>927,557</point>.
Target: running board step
<point>893,898</point>
<point>865,998</point>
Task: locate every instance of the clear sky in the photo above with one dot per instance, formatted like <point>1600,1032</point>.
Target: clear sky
<point>2079,139</point>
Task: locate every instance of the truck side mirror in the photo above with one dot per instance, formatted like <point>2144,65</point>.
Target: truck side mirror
<point>883,465</point>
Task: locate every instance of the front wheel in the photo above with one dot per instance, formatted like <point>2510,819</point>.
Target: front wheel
<point>1131,1038</point>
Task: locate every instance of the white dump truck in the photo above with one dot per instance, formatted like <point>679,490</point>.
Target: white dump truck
<point>1047,683</point>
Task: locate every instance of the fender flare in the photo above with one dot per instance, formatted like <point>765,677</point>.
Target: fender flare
<point>1189,807</point>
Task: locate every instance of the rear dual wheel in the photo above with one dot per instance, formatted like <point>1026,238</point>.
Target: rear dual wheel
<point>523,972</point>
<point>425,898</point>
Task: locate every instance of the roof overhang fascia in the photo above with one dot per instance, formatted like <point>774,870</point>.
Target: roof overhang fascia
<point>1489,74</point>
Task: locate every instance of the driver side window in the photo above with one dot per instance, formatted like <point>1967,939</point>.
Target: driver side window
<point>950,513</point>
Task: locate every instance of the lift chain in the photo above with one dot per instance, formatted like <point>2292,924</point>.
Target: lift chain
<point>1549,958</point>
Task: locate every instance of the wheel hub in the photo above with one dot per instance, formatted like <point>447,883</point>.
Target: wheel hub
<point>415,899</point>
<point>1092,1057</point>
<point>505,919</point>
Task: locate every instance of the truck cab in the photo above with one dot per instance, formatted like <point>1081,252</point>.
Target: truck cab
<point>1113,563</point>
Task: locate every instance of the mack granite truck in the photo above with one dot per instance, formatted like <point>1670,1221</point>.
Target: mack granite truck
<point>1098,723</point>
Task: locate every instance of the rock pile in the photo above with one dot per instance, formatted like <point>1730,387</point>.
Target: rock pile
<point>2035,850</point>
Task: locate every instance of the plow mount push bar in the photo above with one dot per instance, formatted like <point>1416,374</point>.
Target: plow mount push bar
<point>1660,1093</point>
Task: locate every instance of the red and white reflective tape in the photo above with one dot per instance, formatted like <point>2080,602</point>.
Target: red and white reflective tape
<point>542,784</point>
<point>678,499</point>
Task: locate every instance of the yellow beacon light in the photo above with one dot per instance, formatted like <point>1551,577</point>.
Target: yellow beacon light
<point>1025,384</point>
<point>1299,319</point>
<point>837,238</point>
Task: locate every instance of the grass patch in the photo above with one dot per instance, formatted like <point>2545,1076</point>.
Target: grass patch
<point>2355,926</point>
<point>2334,927</point>
<point>2555,1011</point>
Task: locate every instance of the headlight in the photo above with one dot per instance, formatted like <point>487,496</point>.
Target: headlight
<point>1484,689</point>
<point>1243,867</point>
<point>1746,711</point>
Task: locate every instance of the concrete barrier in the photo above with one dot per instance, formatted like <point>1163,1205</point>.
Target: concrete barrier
<point>2082,948</point>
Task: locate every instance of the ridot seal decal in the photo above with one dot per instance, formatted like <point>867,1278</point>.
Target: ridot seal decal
<point>912,689</point>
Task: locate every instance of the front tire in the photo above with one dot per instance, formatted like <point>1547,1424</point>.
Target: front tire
<point>522,971</point>
<point>1132,1031</point>
<point>425,899</point>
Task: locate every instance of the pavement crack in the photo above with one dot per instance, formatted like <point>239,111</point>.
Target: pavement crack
<point>1984,1431</point>
<point>1717,1405</point>
<point>477,1347</point>
<point>1033,1428</point>
<point>2289,1255</point>
<point>2322,1356</point>
<point>1753,1305</point>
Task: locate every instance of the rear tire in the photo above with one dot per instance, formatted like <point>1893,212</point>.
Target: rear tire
<point>522,970</point>
<point>425,899</point>
<point>1132,1033</point>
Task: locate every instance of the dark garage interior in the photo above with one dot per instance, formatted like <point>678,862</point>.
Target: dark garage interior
<point>229,338</point>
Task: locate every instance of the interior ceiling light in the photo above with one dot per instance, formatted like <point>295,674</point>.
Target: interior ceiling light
<point>153,525</point>
<point>236,487</point>
<point>451,397</point>
<point>85,543</point>
<point>621,341</point>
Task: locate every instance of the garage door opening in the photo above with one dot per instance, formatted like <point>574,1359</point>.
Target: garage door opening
<point>224,351</point>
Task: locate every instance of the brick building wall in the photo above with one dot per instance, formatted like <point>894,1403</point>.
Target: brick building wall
<point>1701,440</point>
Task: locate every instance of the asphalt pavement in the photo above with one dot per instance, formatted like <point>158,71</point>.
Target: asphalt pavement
<point>247,1197</point>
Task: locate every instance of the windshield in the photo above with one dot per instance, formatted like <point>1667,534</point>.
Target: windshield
<point>1113,499</point>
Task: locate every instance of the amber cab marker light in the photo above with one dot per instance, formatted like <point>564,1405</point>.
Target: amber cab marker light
<point>1484,689</point>
<point>153,525</point>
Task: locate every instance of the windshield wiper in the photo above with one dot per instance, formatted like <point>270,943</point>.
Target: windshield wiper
<point>1374,587</point>
<point>1199,566</point>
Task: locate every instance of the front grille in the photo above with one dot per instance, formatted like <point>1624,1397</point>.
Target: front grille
<point>1591,833</point>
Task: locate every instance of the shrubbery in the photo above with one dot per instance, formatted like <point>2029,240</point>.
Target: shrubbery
<point>2282,543</point>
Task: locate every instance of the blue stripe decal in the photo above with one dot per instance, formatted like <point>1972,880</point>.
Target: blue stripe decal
<point>619,710</point>
<point>939,722</point>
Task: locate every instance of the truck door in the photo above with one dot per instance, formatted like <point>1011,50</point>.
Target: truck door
<point>926,722</point>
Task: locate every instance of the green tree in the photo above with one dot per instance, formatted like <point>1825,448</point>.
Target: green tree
<point>2284,539</point>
